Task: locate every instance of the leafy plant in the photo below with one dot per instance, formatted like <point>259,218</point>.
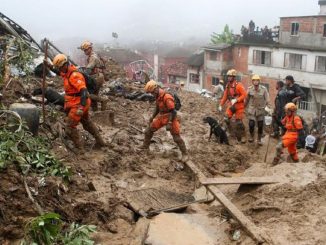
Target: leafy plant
<point>225,37</point>
<point>47,229</point>
<point>43,229</point>
<point>79,235</point>
<point>30,153</point>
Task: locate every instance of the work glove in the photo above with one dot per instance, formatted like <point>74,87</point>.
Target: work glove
<point>233,101</point>
<point>80,111</point>
<point>220,108</point>
<point>268,110</point>
<point>169,126</point>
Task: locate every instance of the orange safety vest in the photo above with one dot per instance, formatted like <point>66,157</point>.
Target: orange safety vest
<point>164,102</point>
<point>73,83</point>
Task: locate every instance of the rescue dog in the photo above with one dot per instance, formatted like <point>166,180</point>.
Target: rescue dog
<point>218,131</point>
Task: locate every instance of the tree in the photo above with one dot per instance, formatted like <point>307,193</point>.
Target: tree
<point>225,37</point>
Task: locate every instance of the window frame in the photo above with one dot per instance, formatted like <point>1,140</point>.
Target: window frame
<point>324,30</point>
<point>214,79</point>
<point>191,76</point>
<point>293,57</point>
<point>295,31</point>
<point>317,66</point>
<point>260,53</point>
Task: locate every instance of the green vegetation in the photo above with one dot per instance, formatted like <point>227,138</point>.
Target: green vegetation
<point>225,37</point>
<point>48,229</point>
<point>31,154</point>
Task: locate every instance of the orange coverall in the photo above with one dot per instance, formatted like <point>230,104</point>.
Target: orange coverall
<point>234,90</point>
<point>165,103</point>
<point>292,124</point>
<point>73,83</point>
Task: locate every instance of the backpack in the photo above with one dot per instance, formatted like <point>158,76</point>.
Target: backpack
<point>301,140</point>
<point>177,101</point>
<point>90,82</point>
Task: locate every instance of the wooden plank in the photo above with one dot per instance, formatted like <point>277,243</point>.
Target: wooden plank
<point>241,180</point>
<point>247,224</point>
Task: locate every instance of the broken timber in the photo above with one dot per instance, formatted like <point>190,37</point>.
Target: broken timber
<point>241,180</point>
<point>247,224</point>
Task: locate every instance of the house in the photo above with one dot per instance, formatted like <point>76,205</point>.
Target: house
<point>300,52</point>
<point>177,73</point>
<point>174,59</point>
<point>195,72</point>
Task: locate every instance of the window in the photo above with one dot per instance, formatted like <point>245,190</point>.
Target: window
<point>295,61</point>
<point>172,79</point>
<point>215,80</point>
<point>320,64</point>
<point>194,78</point>
<point>324,31</point>
<point>262,57</point>
<point>295,29</point>
<point>213,55</point>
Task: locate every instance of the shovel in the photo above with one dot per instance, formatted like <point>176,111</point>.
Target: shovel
<point>268,122</point>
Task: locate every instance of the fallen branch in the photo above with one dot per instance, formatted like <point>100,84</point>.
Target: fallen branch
<point>38,207</point>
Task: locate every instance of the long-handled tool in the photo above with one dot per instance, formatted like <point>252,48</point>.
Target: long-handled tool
<point>44,77</point>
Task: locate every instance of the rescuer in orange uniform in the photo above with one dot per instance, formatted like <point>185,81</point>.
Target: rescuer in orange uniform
<point>235,95</point>
<point>294,130</point>
<point>77,102</point>
<point>165,114</point>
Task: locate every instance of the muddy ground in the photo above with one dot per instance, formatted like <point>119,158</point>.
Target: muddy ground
<point>291,212</point>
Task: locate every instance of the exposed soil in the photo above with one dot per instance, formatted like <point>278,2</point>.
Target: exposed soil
<point>292,212</point>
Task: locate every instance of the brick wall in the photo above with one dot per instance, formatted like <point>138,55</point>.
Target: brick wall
<point>306,24</point>
<point>240,58</point>
<point>321,21</point>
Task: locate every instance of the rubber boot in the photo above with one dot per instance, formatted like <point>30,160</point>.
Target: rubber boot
<point>104,104</point>
<point>147,139</point>
<point>182,146</point>
<point>251,138</point>
<point>241,132</point>
<point>75,137</point>
<point>89,126</point>
<point>259,139</point>
<point>294,157</point>
<point>279,151</point>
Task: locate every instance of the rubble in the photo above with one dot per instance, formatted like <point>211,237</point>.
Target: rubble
<point>290,209</point>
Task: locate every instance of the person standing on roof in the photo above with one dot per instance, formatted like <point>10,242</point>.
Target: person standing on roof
<point>76,103</point>
<point>258,104</point>
<point>165,114</point>
<point>95,67</point>
<point>294,130</point>
<point>234,95</point>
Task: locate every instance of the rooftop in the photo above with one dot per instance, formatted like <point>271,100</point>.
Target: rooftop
<point>303,16</point>
<point>216,47</point>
